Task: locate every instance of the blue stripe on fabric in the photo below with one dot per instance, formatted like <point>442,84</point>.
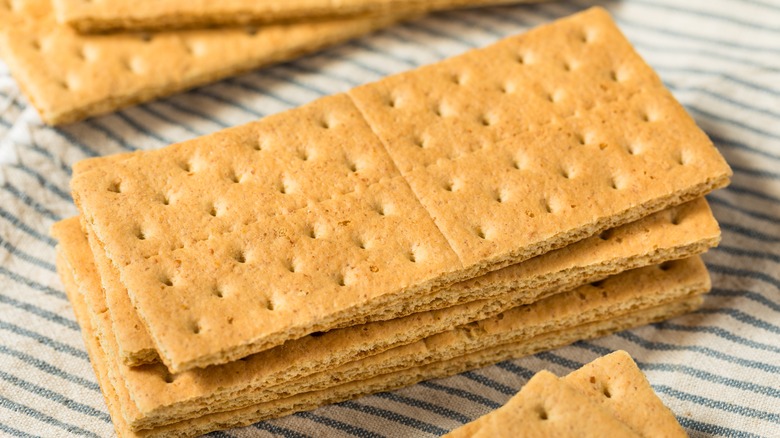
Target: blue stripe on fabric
<point>29,258</point>
<point>713,378</point>
<point>754,172</point>
<point>723,141</point>
<point>708,15</point>
<point>734,122</point>
<point>660,346</point>
<point>37,311</point>
<point>43,182</point>
<point>470,396</point>
<point>736,188</point>
<point>719,332</point>
<point>55,397</point>
<point>44,340</point>
<point>525,373</point>
<point>755,214</point>
<point>70,139</point>
<point>747,253</point>
<point>744,273</point>
<point>40,416</point>
<point>28,201</point>
<point>393,416</point>
<point>18,278</point>
<point>279,431</point>
<point>49,368</point>
<point>179,107</point>
<point>438,410</point>
<point>718,405</point>
<point>741,317</point>
<point>15,432</point>
<point>223,101</point>
<point>339,425</point>
<point>160,115</point>
<point>97,125</point>
<point>140,128</point>
<point>261,91</point>
<point>47,153</point>
<point>712,429</point>
<point>753,296</point>
<point>18,224</point>
<point>558,360</point>
<point>490,383</point>
<point>748,232</point>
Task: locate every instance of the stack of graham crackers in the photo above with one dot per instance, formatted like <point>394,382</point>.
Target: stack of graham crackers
<point>75,59</point>
<point>510,200</point>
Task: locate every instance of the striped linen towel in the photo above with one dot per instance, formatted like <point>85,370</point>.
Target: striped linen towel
<point>718,369</point>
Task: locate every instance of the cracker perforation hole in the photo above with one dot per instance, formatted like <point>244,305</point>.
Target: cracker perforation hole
<point>325,123</point>
<point>615,183</point>
<point>36,44</point>
<point>341,280</point>
<point>419,142</point>
<point>458,79</point>
<point>566,173</point>
<point>521,58</point>
<point>568,66</point>
<point>411,256</point>
<point>499,195</point>
<point>311,231</point>
<point>115,187</point>
<point>140,234</point>
<point>240,257</point>
<point>392,102</point>
<point>291,265</point>
<point>614,76</point>
<point>487,120</point>
<point>542,413</point>
<point>213,211</point>
<point>676,218</point>
<point>380,209</point>
<point>166,280</point>
<point>185,166</point>
<point>547,205</point>
<point>195,327</point>
<point>606,392</point>
<point>352,166</point>
<point>632,149</point>
<point>269,304</point>
<point>218,292</point>
<point>580,139</point>
<point>682,158</point>
<point>449,186</point>
<point>361,243</point>
<point>480,232</point>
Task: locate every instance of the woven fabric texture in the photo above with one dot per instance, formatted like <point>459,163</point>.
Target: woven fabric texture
<point>718,369</point>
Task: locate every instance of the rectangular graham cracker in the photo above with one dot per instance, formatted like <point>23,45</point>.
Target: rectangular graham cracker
<point>88,16</point>
<point>158,401</point>
<point>67,76</point>
<point>115,396</point>
<point>613,382</point>
<point>290,225</point>
<point>674,233</point>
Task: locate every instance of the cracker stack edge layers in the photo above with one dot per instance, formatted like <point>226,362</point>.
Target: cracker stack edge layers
<point>482,160</point>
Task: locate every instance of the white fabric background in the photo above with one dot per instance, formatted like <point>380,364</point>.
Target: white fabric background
<point>718,369</point>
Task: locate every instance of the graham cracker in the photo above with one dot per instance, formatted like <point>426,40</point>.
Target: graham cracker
<point>546,407</point>
<point>88,16</point>
<point>613,382</point>
<point>67,76</point>
<point>617,383</point>
<point>318,245</point>
<point>157,397</point>
<point>617,296</point>
<point>674,233</point>
<point>349,390</point>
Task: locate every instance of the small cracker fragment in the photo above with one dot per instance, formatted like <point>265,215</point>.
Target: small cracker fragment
<point>68,77</point>
<point>617,383</point>
<point>545,407</point>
